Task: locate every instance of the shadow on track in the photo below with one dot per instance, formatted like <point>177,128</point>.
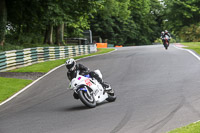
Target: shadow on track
<point>82,107</point>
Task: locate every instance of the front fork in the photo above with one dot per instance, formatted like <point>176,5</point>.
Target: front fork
<point>84,89</point>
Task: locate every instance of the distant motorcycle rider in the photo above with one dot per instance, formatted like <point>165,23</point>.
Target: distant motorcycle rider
<point>162,34</point>
<point>166,33</point>
<point>73,67</point>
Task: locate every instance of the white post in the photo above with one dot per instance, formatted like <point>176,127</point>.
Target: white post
<point>90,36</point>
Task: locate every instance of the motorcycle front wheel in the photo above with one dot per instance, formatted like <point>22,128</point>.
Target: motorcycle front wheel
<point>166,45</point>
<point>87,98</point>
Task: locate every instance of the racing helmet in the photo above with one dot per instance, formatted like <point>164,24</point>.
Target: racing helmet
<point>166,31</point>
<point>70,64</point>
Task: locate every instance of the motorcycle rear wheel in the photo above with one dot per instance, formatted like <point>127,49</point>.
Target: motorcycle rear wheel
<point>86,99</point>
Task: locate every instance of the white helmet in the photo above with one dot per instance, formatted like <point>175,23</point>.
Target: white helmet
<point>70,64</point>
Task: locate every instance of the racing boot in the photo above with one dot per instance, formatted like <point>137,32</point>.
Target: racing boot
<point>105,86</point>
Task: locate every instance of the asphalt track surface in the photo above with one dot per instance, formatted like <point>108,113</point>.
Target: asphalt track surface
<point>157,90</point>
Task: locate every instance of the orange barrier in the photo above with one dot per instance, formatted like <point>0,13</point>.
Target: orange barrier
<point>119,46</point>
<point>102,45</point>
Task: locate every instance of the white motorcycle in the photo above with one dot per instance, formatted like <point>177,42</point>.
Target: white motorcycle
<point>90,91</point>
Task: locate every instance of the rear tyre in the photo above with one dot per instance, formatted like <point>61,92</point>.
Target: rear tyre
<point>87,98</point>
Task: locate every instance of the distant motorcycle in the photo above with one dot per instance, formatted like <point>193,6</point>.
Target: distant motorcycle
<point>166,41</point>
<point>90,91</point>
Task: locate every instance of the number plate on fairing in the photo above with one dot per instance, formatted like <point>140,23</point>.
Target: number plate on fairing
<point>88,83</point>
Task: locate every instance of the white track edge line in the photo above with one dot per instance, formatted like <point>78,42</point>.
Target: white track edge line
<point>191,52</point>
<point>195,55</point>
<point>25,88</point>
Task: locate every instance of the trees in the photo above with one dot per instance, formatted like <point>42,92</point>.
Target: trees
<point>128,21</point>
<point>3,21</point>
<point>182,16</point>
<point>46,20</point>
<point>50,21</point>
<point>148,16</point>
<point>25,21</point>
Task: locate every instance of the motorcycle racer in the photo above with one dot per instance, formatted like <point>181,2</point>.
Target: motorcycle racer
<point>162,34</point>
<point>165,35</point>
<point>73,67</point>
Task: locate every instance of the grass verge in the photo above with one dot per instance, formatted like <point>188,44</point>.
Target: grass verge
<point>193,46</point>
<point>48,65</point>
<point>9,86</point>
<point>191,128</point>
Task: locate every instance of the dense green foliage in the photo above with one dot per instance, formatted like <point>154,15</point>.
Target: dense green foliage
<point>183,18</point>
<point>129,21</point>
<point>44,21</point>
<point>120,22</point>
<point>49,22</point>
<point>3,21</point>
<point>9,86</point>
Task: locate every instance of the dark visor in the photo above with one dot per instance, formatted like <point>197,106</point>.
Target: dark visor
<point>70,66</point>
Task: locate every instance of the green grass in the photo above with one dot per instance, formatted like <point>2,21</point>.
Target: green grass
<point>40,67</point>
<point>193,46</point>
<point>48,65</point>
<point>192,128</point>
<point>9,86</point>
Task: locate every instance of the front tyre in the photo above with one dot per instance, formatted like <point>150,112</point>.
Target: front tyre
<point>165,45</point>
<point>87,98</point>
